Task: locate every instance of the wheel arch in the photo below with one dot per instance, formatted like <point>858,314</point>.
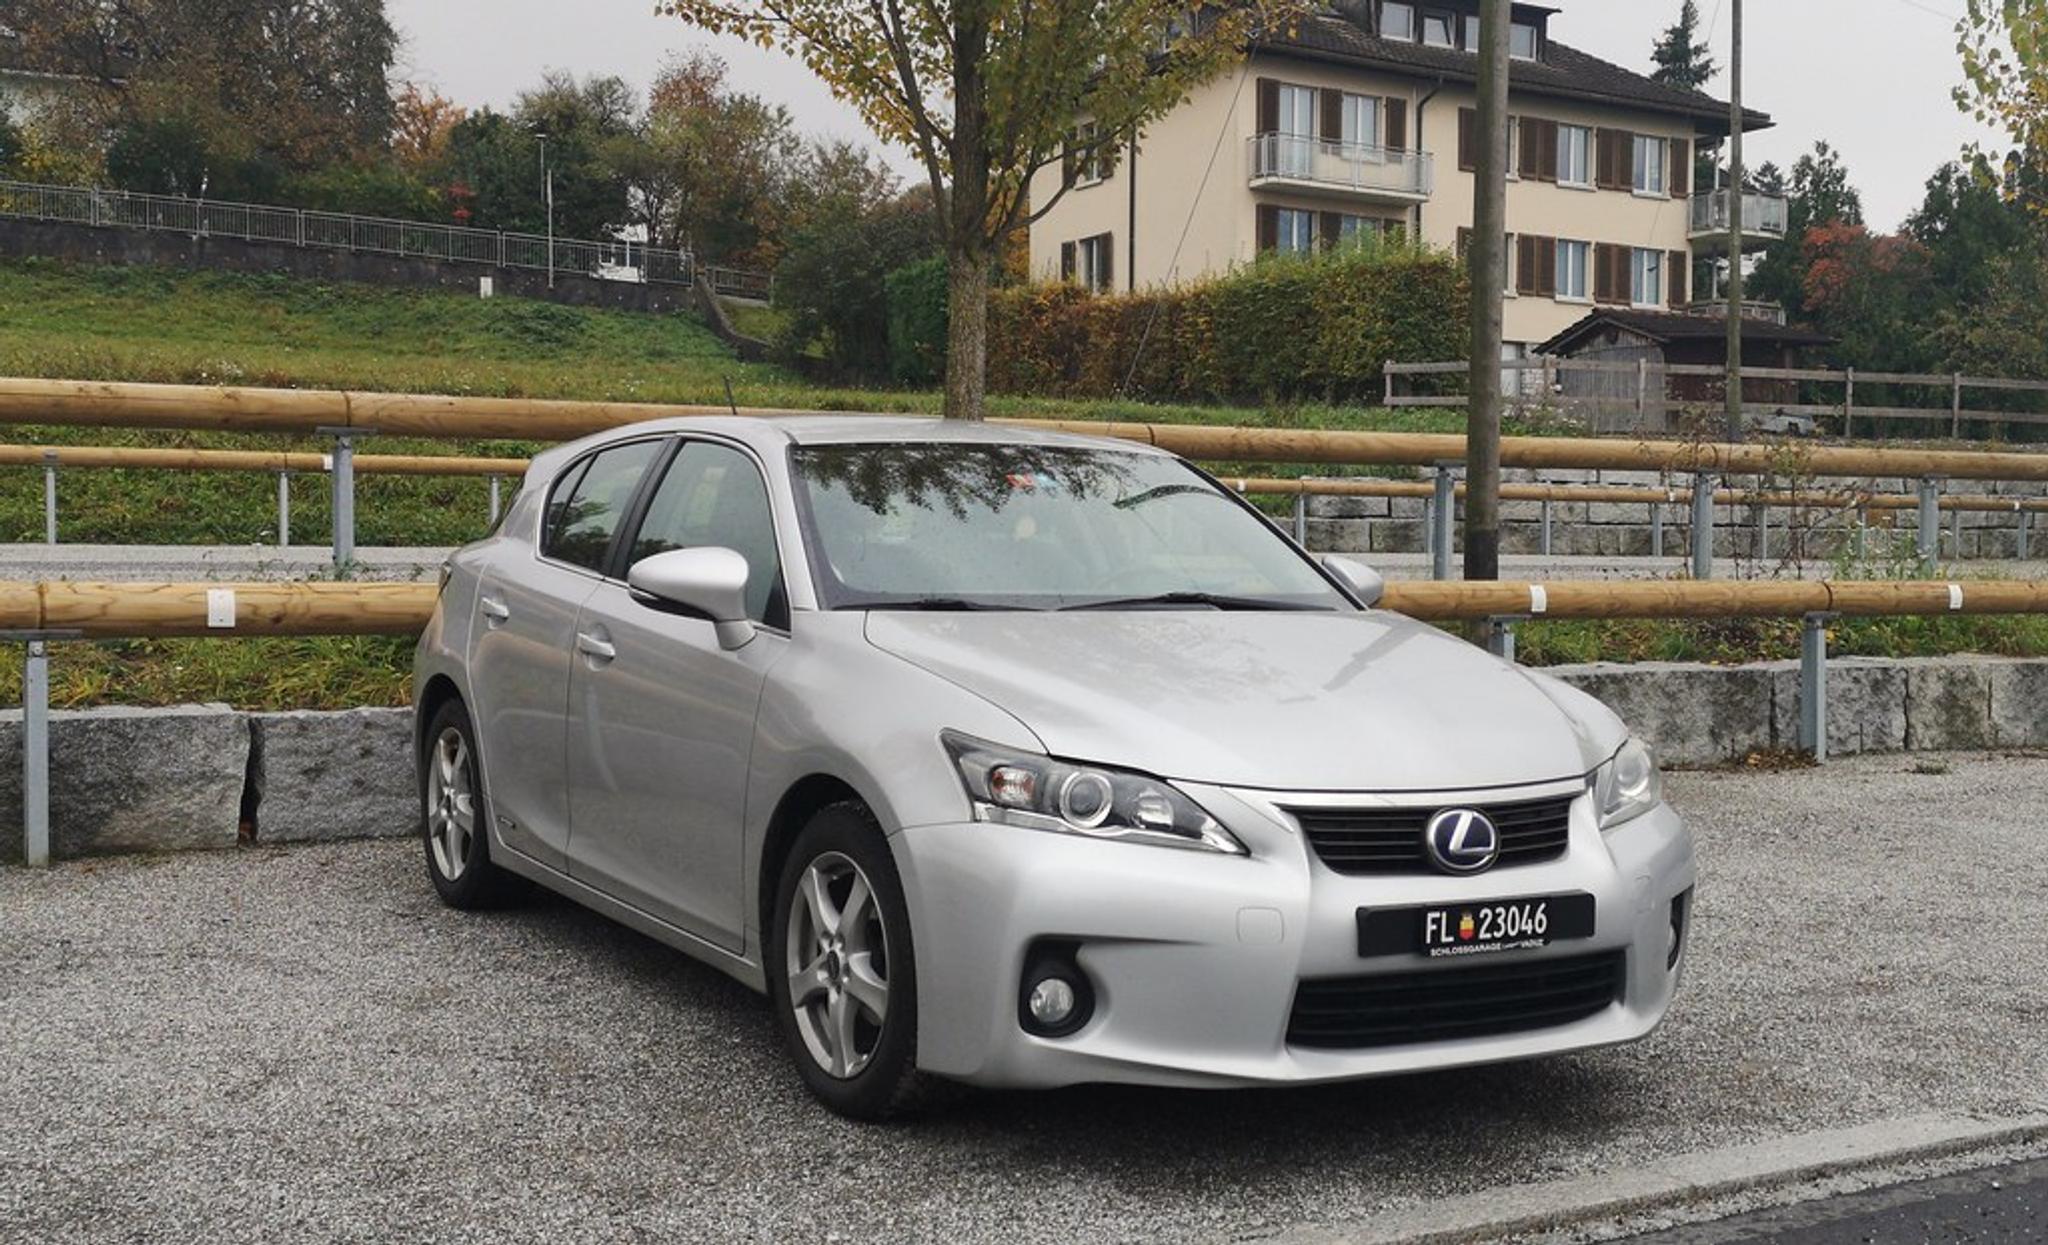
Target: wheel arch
<point>802,801</point>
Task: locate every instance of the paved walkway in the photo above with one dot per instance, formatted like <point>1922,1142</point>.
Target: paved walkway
<point>302,1044</point>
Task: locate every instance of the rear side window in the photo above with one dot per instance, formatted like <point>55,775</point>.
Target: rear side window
<point>714,495</point>
<point>588,501</point>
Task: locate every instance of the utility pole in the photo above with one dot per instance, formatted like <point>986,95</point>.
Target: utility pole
<point>547,195</point>
<point>1488,258</point>
<point>1735,208</point>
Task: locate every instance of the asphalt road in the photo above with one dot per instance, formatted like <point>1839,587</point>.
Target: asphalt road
<point>300,1044</point>
<point>2004,1205</point>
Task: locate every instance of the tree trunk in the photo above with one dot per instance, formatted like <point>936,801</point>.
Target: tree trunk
<point>967,280</point>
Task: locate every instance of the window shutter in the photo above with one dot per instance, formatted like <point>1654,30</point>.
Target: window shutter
<point>1464,242</point>
<point>1547,135</point>
<point>1677,275</point>
<point>1610,273</point>
<point>1397,124</point>
<point>1333,115</point>
<point>1546,267</point>
<point>1070,166</point>
<point>1530,149</point>
<point>1468,139</point>
<point>1269,226</point>
<point>1679,175</point>
<point>1066,261</point>
<point>1603,159</point>
<point>1105,258</point>
<point>1269,106</point>
<point>1527,266</point>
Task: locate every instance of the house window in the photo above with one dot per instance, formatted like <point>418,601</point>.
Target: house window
<point>1090,262</point>
<point>1295,231</point>
<point>1353,229</point>
<point>1646,287</point>
<point>1522,41</point>
<point>1468,34</point>
<point>1361,122</point>
<point>1397,21</point>
<point>1649,164</point>
<point>1573,259</point>
<point>1088,162</point>
<point>1436,29</point>
<point>1574,155</point>
<point>1514,148</point>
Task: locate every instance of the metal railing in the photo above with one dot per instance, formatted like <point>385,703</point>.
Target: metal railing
<point>1752,309</point>
<point>1766,216</point>
<point>1353,166</point>
<point>338,231</point>
<point>739,283</point>
<point>34,614</point>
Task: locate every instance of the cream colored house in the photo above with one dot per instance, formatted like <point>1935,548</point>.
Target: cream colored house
<point>1362,119</point>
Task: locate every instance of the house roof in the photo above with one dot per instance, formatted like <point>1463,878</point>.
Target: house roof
<point>1665,327</point>
<point>1564,73</point>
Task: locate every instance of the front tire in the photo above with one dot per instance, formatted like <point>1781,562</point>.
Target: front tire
<point>454,810</point>
<point>842,976</point>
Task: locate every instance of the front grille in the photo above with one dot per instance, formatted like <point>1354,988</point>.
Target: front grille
<point>1399,1009</point>
<point>1362,841</point>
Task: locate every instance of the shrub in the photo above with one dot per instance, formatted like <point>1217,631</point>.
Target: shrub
<point>1287,327</point>
<point>917,321</point>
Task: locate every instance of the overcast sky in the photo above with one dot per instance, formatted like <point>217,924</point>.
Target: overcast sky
<point>1871,76</point>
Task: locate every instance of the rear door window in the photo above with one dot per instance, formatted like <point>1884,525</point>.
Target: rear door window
<point>590,499</point>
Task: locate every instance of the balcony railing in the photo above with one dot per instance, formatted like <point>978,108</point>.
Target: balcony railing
<point>1752,309</point>
<point>1763,216</point>
<point>1380,172</point>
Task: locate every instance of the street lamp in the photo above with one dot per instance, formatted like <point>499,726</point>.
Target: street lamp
<point>547,178</point>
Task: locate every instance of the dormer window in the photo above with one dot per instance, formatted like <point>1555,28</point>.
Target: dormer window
<point>1397,21</point>
<point>1522,41</point>
<point>1437,30</point>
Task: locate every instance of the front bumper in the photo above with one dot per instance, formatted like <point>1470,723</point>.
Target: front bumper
<point>1194,957</point>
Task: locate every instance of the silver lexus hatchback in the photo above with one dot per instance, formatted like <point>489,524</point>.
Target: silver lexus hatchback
<point>1020,759</point>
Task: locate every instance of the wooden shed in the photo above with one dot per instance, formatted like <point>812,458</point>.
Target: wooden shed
<point>1630,335</point>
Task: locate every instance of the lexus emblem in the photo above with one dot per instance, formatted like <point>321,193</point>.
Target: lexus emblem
<point>1462,840</point>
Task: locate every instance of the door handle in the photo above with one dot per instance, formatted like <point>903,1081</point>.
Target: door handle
<point>594,647</point>
<point>494,610</point>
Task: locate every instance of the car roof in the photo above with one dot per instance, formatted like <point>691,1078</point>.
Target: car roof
<point>767,431</point>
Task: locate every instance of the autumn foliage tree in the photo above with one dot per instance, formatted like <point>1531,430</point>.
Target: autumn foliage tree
<point>987,92</point>
<point>2004,46</point>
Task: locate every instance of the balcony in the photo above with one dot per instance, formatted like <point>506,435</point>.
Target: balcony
<point>1752,309</point>
<point>1763,220</point>
<point>1345,170</point>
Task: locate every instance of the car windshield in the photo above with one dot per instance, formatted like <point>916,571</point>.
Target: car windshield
<point>947,526</point>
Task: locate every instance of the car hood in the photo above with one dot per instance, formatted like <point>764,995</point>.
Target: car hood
<point>1279,701</point>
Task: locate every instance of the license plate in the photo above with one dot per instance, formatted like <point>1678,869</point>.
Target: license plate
<point>1485,928</point>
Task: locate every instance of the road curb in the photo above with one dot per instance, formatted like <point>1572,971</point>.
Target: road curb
<point>1524,1209</point>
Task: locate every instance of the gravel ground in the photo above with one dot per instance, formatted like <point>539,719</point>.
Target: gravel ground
<point>300,1044</point>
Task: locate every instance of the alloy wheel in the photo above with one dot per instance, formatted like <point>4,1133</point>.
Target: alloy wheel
<point>451,804</point>
<point>837,959</point>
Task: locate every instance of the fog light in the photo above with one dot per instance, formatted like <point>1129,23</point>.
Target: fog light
<point>1052,1002</point>
<point>1674,942</point>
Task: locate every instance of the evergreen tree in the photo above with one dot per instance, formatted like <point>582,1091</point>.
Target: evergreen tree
<point>1681,52</point>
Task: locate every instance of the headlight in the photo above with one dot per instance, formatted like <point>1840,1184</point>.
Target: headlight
<point>1627,786</point>
<point>1026,789</point>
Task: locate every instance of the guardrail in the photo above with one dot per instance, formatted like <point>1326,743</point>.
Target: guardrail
<point>37,614</point>
<point>347,416</point>
<point>1646,390</point>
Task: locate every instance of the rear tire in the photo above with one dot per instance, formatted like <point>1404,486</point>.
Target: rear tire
<point>454,815</point>
<point>842,974</point>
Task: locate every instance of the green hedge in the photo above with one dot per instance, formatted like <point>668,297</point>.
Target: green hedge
<point>1288,327</point>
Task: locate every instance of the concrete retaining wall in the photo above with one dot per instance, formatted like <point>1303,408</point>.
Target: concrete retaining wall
<point>204,776</point>
<point>1624,529</point>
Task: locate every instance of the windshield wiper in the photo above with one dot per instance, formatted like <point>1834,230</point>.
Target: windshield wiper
<point>955,605</point>
<point>1213,600</point>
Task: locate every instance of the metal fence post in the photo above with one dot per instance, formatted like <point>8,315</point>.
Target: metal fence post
<point>50,497</point>
<point>1929,545</point>
<point>1445,522</point>
<point>1702,526</point>
<point>2026,522</point>
<point>284,509</point>
<point>1300,513</point>
<point>1813,686</point>
<point>1862,529</point>
<point>35,754</point>
<point>1849,404</point>
<point>1763,531</point>
<point>343,490</point>
<point>1500,638</point>
<point>1546,527</point>
<point>1955,427</point>
<point>1656,530</point>
<point>1956,540</point>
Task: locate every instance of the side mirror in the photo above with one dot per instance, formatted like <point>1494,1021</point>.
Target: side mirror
<point>1365,583</point>
<point>709,581</point>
